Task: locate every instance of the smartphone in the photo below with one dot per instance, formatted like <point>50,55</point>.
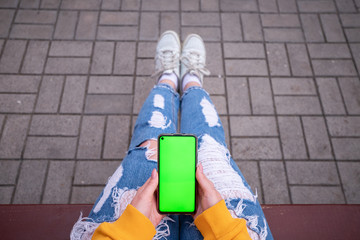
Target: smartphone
<point>177,159</point>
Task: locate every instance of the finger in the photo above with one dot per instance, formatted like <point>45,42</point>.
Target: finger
<point>151,185</point>
<point>203,181</point>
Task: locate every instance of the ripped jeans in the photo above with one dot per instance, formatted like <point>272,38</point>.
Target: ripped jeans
<point>198,116</point>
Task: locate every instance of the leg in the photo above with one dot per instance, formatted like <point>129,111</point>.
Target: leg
<point>199,117</point>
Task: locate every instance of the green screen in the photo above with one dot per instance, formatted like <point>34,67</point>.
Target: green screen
<point>177,163</point>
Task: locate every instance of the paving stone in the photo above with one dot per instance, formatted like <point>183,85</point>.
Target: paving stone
<point>110,85</point>
<point>207,34</point>
<point>119,18</point>
<point>200,19</point>
<point>49,95</point>
<point>94,172</point>
<point>12,55</point>
<point>74,94</point>
<point>116,137</point>
<point>214,58</point>
<point>312,173</point>
<point>108,104</point>
<point>81,4</point>
<point>317,138</point>
<point>225,123</point>
<point>50,4</point>
<point>267,6</point>
<point>330,96</point>
<point>312,28</point>
<point>251,171</point>
<point>280,20</point>
<point>145,67</point>
<point>246,67</point>
<point>169,20</point>
<point>292,138</point>
<point>48,125</point>
<point>353,34</point>
<point>69,65</point>
<point>149,26</point>
<point>8,171</point>
<point>283,35</point>
<point>125,65</point>
<point>50,147</point>
<point>334,67</point>
<point>220,104</point>
<point>86,28</point>
<point>103,58</point>
<point>231,27</point>
<point>146,49</point>
<point>244,50</point>
<point>117,33</point>
<point>346,148</point>
<point>253,126</point>
<point>209,5</point>
<point>31,31</point>
<point>299,60</point>
<point>17,103</point>
<point>70,49</point>
<point>241,6</point>
<point>35,57</point>
<point>130,4</point>
<point>30,4</point>
<point>277,58</point>
<point>350,88</point>
<point>9,3</point>
<point>297,105</point>
<point>274,183</point>
<point>214,85</point>
<point>66,24</point>
<point>238,92</point>
<point>316,195</point>
<point>6,17</point>
<point>58,182</point>
<point>142,89</point>
<point>161,5</point>
<point>355,49</point>
<point>5,194</point>
<point>293,86</point>
<point>91,137</point>
<point>350,20</point>
<point>256,148</point>
<point>261,97</point>
<point>344,126</point>
<point>316,6</point>
<point>251,27</point>
<point>345,5</point>
<point>1,44</point>
<point>327,50</point>
<point>287,5</point>
<point>30,183</point>
<point>350,177</point>
<point>190,5</point>
<point>85,195</point>
<point>19,83</point>
<point>111,4</point>
<point>35,16</point>
<point>332,28</point>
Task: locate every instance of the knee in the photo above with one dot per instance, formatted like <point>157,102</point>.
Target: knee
<point>151,153</point>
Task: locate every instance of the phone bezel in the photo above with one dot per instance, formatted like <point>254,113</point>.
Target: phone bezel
<point>158,165</point>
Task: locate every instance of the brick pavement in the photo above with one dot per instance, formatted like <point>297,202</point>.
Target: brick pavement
<point>285,80</point>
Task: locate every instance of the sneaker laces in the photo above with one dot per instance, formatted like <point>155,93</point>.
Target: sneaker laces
<point>194,62</point>
<point>168,60</point>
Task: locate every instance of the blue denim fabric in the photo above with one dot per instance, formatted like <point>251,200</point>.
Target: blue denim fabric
<point>198,116</point>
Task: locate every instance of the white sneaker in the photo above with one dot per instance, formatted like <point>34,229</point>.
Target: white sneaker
<point>167,58</point>
<point>193,57</point>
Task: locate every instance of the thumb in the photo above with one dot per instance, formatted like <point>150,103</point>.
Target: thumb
<point>203,181</point>
<point>153,182</point>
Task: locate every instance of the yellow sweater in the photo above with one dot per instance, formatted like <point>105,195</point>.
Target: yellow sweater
<point>214,223</point>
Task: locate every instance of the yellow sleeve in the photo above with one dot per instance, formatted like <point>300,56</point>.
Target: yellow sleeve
<point>126,227</point>
<point>217,223</point>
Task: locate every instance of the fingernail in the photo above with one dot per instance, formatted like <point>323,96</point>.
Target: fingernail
<point>153,174</point>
